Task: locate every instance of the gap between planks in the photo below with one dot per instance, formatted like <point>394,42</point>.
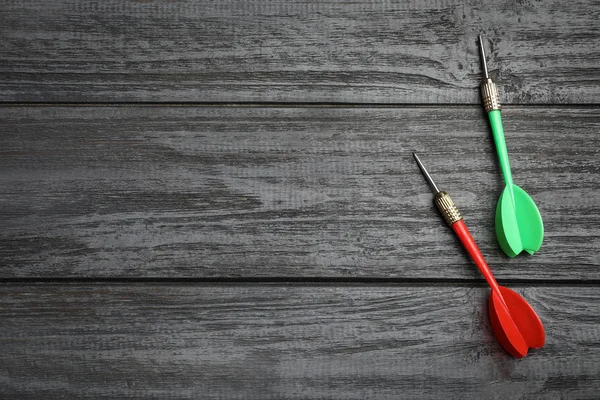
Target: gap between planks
<point>298,281</point>
<point>285,105</point>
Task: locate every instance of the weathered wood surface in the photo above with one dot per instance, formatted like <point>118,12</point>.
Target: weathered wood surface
<point>288,51</point>
<point>266,342</point>
<point>160,225</point>
<point>286,192</point>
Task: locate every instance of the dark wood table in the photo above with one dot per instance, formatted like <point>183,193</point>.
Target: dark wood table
<point>217,199</point>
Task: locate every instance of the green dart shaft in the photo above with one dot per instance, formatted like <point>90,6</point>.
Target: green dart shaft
<point>491,103</point>
<point>498,132</point>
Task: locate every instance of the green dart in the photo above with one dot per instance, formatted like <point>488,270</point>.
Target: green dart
<point>519,225</point>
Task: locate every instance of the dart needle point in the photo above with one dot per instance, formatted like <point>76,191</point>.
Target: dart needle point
<point>483,56</point>
<point>426,174</point>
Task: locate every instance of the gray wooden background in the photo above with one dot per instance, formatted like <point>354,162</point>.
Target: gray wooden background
<point>217,199</point>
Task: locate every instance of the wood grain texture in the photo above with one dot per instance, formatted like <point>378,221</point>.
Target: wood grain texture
<point>286,192</point>
<point>287,51</point>
<point>266,342</point>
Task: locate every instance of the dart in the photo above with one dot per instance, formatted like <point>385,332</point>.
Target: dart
<point>519,224</point>
<point>515,323</point>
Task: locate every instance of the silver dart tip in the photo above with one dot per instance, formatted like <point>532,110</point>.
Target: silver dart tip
<point>483,56</point>
<point>426,174</point>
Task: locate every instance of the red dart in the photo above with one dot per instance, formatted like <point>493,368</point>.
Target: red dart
<point>514,321</point>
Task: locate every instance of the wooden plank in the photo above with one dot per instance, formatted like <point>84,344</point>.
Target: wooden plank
<point>287,51</point>
<point>312,192</point>
<point>264,342</point>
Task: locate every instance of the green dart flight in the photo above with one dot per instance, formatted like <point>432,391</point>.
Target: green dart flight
<point>519,224</point>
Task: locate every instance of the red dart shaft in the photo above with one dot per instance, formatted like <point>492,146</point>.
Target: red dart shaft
<point>467,240</point>
<point>453,218</point>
